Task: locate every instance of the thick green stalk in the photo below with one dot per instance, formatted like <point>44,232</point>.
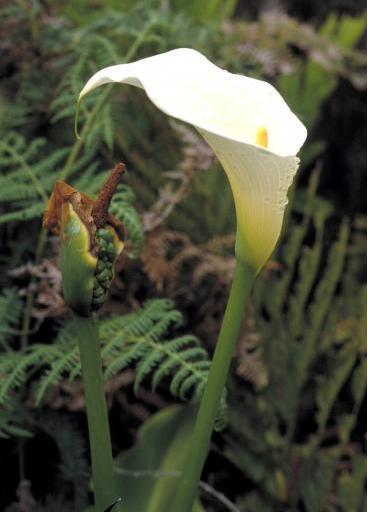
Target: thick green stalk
<point>98,424</point>
<point>243,280</point>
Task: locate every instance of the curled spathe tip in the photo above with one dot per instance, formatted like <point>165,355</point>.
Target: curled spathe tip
<point>76,119</point>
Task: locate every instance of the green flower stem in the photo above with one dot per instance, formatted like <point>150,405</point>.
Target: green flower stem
<point>98,424</point>
<point>242,283</point>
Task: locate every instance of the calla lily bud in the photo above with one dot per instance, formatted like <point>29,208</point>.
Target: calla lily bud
<point>246,122</point>
<point>91,241</point>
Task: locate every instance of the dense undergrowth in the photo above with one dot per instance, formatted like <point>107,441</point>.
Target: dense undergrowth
<point>294,435</point>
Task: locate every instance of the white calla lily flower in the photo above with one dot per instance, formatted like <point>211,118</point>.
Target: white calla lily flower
<point>247,123</point>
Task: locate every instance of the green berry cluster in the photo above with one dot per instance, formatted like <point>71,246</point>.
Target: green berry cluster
<point>104,269</point>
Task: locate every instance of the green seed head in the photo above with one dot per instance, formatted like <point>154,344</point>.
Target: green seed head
<point>109,248</point>
<point>91,241</point>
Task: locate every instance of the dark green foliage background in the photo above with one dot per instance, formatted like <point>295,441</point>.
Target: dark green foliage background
<point>295,435</point>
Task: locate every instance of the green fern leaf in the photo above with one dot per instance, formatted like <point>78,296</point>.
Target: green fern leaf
<point>145,367</point>
<point>122,207</point>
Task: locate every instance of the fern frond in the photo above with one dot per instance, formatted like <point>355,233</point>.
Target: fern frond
<point>166,367</point>
<point>187,385</point>
<point>145,367</point>
<point>124,360</point>
<point>10,311</point>
<point>179,377</point>
<point>327,286</point>
<point>23,213</point>
<point>139,339</point>
<point>122,207</point>
<point>14,368</point>
<point>65,362</point>
<point>308,267</point>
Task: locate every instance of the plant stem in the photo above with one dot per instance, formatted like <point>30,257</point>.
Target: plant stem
<point>187,490</point>
<point>98,425</point>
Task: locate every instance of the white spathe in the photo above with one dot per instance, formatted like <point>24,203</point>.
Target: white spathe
<point>247,123</point>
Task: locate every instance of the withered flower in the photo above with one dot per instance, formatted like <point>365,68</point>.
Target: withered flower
<point>91,241</point>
